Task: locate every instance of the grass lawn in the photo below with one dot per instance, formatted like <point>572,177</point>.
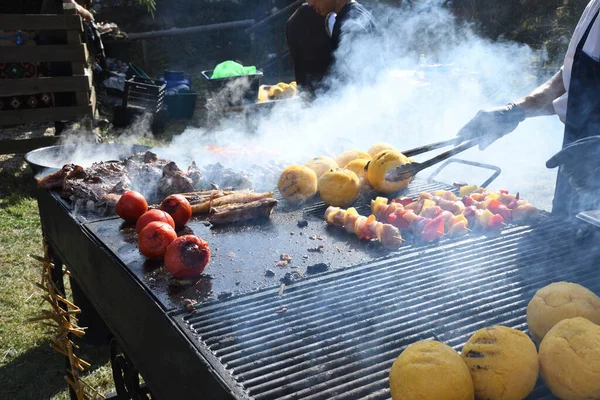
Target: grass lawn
<point>29,368</point>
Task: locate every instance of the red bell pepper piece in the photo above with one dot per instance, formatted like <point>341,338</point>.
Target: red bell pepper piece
<point>467,201</point>
<point>496,222</point>
<point>494,206</point>
<point>433,230</point>
<point>503,191</point>
<point>404,200</point>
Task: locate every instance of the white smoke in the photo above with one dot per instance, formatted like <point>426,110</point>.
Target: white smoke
<point>386,96</point>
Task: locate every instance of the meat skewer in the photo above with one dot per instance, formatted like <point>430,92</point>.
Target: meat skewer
<point>430,223</point>
<point>364,227</point>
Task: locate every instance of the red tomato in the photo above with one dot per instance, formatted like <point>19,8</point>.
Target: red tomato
<point>154,239</point>
<point>179,208</point>
<point>131,206</point>
<point>187,256</point>
<point>151,216</point>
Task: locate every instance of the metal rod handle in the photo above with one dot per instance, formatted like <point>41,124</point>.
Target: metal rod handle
<point>432,146</point>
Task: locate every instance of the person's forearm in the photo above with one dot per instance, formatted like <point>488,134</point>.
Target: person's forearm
<point>539,101</point>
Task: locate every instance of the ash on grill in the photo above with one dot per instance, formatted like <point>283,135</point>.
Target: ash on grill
<point>98,188</point>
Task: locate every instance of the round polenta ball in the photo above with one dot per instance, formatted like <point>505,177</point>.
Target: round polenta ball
<point>557,301</point>
<point>380,165</point>
<point>339,187</point>
<point>321,165</point>
<point>358,167</point>
<point>378,147</point>
<point>430,370</point>
<point>350,155</point>
<point>570,359</point>
<point>297,183</point>
<point>503,363</point>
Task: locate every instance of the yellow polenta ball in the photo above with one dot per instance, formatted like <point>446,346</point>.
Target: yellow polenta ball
<point>358,167</point>
<point>297,183</point>
<point>339,187</point>
<point>430,370</point>
<point>557,301</point>
<point>350,155</point>
<point>378,147</point>
<point>503,363</point>
<point>380,165</point>
<point>321,165</point>
<point>570,359</point>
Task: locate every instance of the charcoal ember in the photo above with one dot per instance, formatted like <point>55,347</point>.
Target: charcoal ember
<point>269,273</point>
<point>317,268</point>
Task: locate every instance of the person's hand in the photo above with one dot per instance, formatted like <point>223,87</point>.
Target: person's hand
<point>580,162</point>
<point>491,124</point>
<point>85,14</point>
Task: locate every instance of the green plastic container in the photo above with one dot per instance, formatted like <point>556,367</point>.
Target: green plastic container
<point>182,104</point>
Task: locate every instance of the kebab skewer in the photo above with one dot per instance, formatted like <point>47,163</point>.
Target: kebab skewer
<point>364,227</point>
<point>430,223</point>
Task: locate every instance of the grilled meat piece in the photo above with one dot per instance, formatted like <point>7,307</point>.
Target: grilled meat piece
<point>174,180</point>
<point>240,196</point>
<point>242,211</point>
<point>194,174</point>
<point>57,179</point>
<point>98,187</point>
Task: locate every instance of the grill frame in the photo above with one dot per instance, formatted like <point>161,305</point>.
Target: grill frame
<point>109,283</point>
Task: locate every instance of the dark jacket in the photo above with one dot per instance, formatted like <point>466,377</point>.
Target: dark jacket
<point>310,47</point>
<point>353,21</point>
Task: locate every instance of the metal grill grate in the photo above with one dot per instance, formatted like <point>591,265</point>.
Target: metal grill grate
<point>336,336</point>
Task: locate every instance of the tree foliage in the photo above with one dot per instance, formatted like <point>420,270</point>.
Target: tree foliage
<point>534,22</point>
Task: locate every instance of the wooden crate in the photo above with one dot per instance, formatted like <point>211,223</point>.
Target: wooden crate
<point>80,82</point>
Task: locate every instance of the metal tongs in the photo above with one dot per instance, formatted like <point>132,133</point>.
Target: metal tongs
<point>407,171</point>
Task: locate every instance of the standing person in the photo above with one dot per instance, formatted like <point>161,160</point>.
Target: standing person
<point>309,42</point>
<point>574,94</point>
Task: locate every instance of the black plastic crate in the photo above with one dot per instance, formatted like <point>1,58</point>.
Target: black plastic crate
<point>145,93</point>
<point>250,84</point>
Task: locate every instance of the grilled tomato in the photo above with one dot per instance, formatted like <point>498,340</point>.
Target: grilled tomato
<point>179,208</point>
<point>131,206</point>
<point>154,239</point>
<point>187,256</point>
<point>151,216</point>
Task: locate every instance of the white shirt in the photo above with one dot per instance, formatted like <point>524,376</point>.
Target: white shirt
<point>591,48</point>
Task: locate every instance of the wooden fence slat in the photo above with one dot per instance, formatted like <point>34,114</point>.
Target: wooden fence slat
<point>16,117</point>
<point>16,87</point>
<point>34,22</point>
<point>11,146</point>
<point>49,53</point>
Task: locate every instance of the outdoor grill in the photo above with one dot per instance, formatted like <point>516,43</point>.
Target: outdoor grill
<point>335,328</point>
